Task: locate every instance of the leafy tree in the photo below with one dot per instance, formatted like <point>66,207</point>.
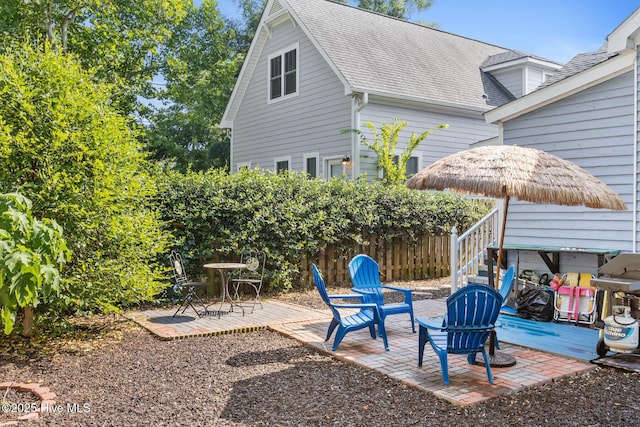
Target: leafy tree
<point>251,13</point>
<point>65,147</point>
<point>117,39</point>
<point>200,65</point>
<point>384,145</point>
<point>31,253</point>
<point>402,9</point>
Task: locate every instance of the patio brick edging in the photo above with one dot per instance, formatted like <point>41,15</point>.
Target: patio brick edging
<point>44,394</point>
<point>240,330</point>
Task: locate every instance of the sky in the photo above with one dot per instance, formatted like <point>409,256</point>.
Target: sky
<point>553,29</point>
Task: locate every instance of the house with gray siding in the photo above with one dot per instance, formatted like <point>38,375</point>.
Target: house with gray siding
<point>316,68</point>
<point>586,113</point>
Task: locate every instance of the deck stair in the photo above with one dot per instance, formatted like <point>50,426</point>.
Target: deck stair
<point>468,251</point>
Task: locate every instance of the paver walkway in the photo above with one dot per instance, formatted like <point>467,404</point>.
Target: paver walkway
<point>468,384</point>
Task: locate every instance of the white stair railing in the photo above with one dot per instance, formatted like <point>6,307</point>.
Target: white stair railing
<point>468,249</point>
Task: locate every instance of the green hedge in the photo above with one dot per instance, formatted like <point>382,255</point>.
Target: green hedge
<point>291,216</point>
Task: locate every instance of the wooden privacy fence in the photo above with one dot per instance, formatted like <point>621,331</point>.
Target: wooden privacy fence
<point>398,259</point>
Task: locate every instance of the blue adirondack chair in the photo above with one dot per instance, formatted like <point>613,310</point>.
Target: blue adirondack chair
<point>471,315</point>
<point>367,317</point>
<point>365,275</point>
<point>505,289</point>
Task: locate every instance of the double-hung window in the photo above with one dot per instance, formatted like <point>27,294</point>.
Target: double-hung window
<point>281,164</point>
<point>412,165</point>
<point>283,74</point>
<point>310,164</point>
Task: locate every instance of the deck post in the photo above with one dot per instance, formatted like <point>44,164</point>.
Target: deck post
<point>454,259</point>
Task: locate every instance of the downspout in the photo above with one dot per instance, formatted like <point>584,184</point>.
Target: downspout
<point>360,102</point>
<point>635,153</point>
<point>229,132</point>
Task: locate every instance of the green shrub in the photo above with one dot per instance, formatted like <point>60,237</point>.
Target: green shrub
<point>292,216</point>
<point>31,253</point>
<point>64,146</point>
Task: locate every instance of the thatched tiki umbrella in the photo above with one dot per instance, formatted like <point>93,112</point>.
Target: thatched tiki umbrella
<point>505,171</point>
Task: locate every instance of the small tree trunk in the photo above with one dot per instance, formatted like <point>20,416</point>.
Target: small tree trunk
<point>27,322</point>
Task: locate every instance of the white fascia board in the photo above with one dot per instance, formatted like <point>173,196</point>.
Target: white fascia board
<point>421,101</point>
<point>604,71</point>
<point>246,71</point>
<point>522,61</point>
<point>618,39</point>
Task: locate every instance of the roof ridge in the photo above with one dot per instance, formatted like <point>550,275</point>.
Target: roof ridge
<point>420,25</point>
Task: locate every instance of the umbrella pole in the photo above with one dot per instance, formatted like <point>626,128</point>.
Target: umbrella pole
<point>496,282</point>
<point>500,360</point>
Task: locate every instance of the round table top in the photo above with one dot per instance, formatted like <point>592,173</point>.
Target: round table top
<point>225,265</point>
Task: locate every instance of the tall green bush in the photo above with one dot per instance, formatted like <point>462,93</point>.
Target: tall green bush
<point>65,147</point>
<point>292,216</point>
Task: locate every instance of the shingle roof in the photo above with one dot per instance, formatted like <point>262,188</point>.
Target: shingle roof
<point>379,54</point>
<point>579,63</point>
<point>508,56</point>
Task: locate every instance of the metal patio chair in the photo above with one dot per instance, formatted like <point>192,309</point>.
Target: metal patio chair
<point>185,287</point>
<point>252,276</point>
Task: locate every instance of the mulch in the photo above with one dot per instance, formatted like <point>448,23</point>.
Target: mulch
<point>117,374</point>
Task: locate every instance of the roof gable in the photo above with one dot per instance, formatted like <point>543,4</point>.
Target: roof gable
<point>384,56</point>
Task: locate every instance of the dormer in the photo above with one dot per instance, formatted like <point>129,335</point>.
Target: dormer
<point>626,35</point>
<point>518,72</point>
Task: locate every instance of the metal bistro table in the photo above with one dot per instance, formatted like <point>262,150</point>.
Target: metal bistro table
<point>225,269</point>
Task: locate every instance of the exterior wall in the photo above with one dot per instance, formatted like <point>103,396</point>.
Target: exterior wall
<point>569,262</point>
<point>463,130</point>
<point>308,122</point>
<point>637,153</point>
<point>535,77</point>
<point>512,79</point>
<point>594,129</point>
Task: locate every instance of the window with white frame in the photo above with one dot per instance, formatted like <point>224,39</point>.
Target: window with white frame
<point>412,165</point>
<point>334,168</point>
<point>281,164</point>
<point>283,74</point>
<point>310,164</point>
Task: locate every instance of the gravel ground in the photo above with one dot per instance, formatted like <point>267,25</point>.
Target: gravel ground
<point>119,375</point>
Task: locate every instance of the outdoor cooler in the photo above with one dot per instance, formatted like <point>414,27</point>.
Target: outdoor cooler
<point>620,280</point>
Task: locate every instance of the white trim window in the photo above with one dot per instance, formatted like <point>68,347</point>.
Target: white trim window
<point>281,164</point>
<point>413,165</point>
<point>334,167</point>
<point>310,164</point>
<point>283,74</point>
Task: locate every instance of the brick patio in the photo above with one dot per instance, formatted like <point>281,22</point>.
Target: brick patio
<point>468,384</point>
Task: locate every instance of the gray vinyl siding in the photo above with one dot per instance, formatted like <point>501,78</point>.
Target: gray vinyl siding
<point>535,78</point>
<point>311,121</point>
<point>637,136</point>
<point>462,131</point>
<point>568,261</point>
<point>594,129</point>
<point>512,79</point>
